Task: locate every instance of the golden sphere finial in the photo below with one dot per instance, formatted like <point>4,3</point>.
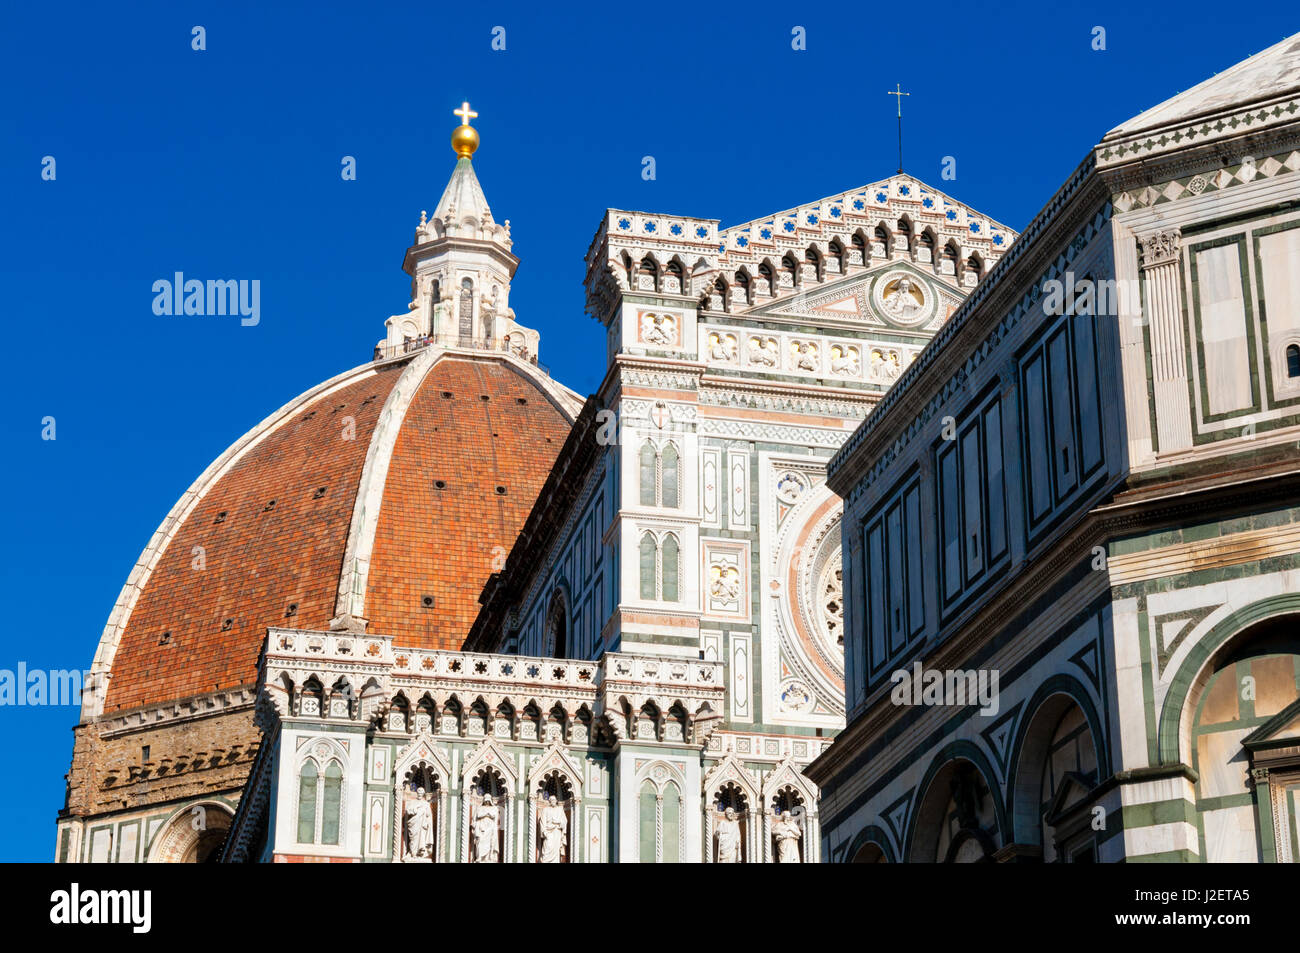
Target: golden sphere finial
<point>464,139</point>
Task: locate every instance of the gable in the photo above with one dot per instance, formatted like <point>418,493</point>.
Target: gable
<point>865,300</point>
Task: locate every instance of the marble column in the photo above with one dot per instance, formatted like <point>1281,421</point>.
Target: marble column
<point>1161,259</point>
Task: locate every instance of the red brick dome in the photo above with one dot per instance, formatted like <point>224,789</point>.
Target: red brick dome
<point>389,494</point>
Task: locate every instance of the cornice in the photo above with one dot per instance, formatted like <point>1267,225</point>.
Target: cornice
<point>1078,211</point>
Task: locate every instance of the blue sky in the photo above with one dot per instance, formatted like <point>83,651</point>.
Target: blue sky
<point>225,164</point>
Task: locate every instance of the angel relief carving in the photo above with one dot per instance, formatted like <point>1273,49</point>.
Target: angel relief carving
<point>724,583</point>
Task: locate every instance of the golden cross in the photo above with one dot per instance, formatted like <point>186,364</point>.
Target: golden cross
<point>465,114</point>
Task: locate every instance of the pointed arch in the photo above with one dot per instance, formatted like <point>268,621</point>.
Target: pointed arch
<point>669,476</point>
<point>671,568</point>
<point>648,554</point>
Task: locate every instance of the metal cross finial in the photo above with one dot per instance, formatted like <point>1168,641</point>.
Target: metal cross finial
<point>898,91</point>
<point>465,114</point>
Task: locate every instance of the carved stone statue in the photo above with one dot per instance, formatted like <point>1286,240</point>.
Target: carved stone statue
<point>729,838</point>
<point>657,329</point>
<point>419,826</point>
<point>762,352</point>
<point>787,832</point>
<point>727,584</point>
<point>722,348</point>
<point>806,357</point>
<point>903,300</point>
<point>486,843</point>
<point>554,825</point>
<point>844,360</point>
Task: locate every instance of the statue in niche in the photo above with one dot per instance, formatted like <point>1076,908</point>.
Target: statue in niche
<point>486,845</point>
<point>419,826</point>
<point>787,833</point>
<point>729,838</point>
<point>554,825</point>
<point>902,299</point>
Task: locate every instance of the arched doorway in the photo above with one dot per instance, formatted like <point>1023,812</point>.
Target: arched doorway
<point>1056,770</point>
<point>193,835</point>
<point>1242,717</point>
<point>870,853</point>
<point>959,817</point>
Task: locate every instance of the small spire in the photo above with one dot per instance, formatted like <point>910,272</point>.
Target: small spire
<point>464,140</point>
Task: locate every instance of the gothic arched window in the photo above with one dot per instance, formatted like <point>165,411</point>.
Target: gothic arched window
<point>331,803</point>
<point>649,811</point>
<point>660,567</point>
<point>307,781</point>
<point>1293,361</point>
<point>465,318</point>
<point>669,568</point>
<point>320,803</point>
<point>648,554</point>
<point>659,475</point>
<point>649,468</point>
<point>668,476</point>
<point>558,636</point>
<point>670,844</point>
